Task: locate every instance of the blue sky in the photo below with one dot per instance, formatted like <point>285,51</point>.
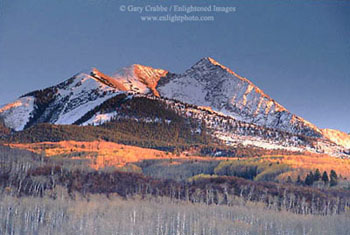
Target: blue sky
<point>298,52</point>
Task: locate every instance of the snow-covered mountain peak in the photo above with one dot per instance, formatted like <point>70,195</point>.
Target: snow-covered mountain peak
<point>208,62</point>
<point>209,83</point>
<point>140,78</point>
<point>86,71</point>
<point>107,80</point>
<point>218,80</point>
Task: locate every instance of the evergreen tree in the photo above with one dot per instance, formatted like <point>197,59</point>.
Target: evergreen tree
<point>299,182</point>
<point>325,178</point>
<point>334,178</point>
<point>309,180</point>
<point>317,175</point>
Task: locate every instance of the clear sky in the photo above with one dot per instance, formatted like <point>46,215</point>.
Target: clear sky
<point>298,52</point>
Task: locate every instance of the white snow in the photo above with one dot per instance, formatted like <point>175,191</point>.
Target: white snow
<point>77,98</point>
<point>208,83</point>
<point>338,137</point>
<point>233,140</point>
<point>139,78</point>
<point>83,83</point>
<point>79,93</point>
<point>75,114</point>
<point>17,114</point>
<point>99,118</point>
<point>130,80</point>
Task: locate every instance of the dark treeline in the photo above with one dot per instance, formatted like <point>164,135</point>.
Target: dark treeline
<point>216,190</point>
<point>175,136</point>
<point>316,176</point>
<point>162,136</point>
<point>4,131</point>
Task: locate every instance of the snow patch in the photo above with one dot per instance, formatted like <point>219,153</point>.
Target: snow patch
<point>99,118</point>
<point>234,140</point>
<point>17,114</point>
<point>71,116</point>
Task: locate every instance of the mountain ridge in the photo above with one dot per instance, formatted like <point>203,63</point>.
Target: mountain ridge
<point>208,85</point>
<point>139,78</point>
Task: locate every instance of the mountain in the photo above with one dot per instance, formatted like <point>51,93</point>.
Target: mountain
<point>211,84</point>
<point>15,115</point>
<point>234,109</point>
<point>61,104</point>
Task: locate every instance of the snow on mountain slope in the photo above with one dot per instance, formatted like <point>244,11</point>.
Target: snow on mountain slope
<point>209,83</point>
<point>85,93</point>
<point>100,118</point>
<point>17,114</point>
<point>61,104</point>
<point>225,128</point>
<point>107,80</point>
<point>338,137</point>
<point>140,78</point>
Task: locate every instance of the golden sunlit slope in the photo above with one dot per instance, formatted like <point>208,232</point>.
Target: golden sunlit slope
<point>140,78</point>
<point>306,163</point>
<point>338,137</point>
<point>107,80</point>
<point>149,76</point>
<point>101,153</point>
